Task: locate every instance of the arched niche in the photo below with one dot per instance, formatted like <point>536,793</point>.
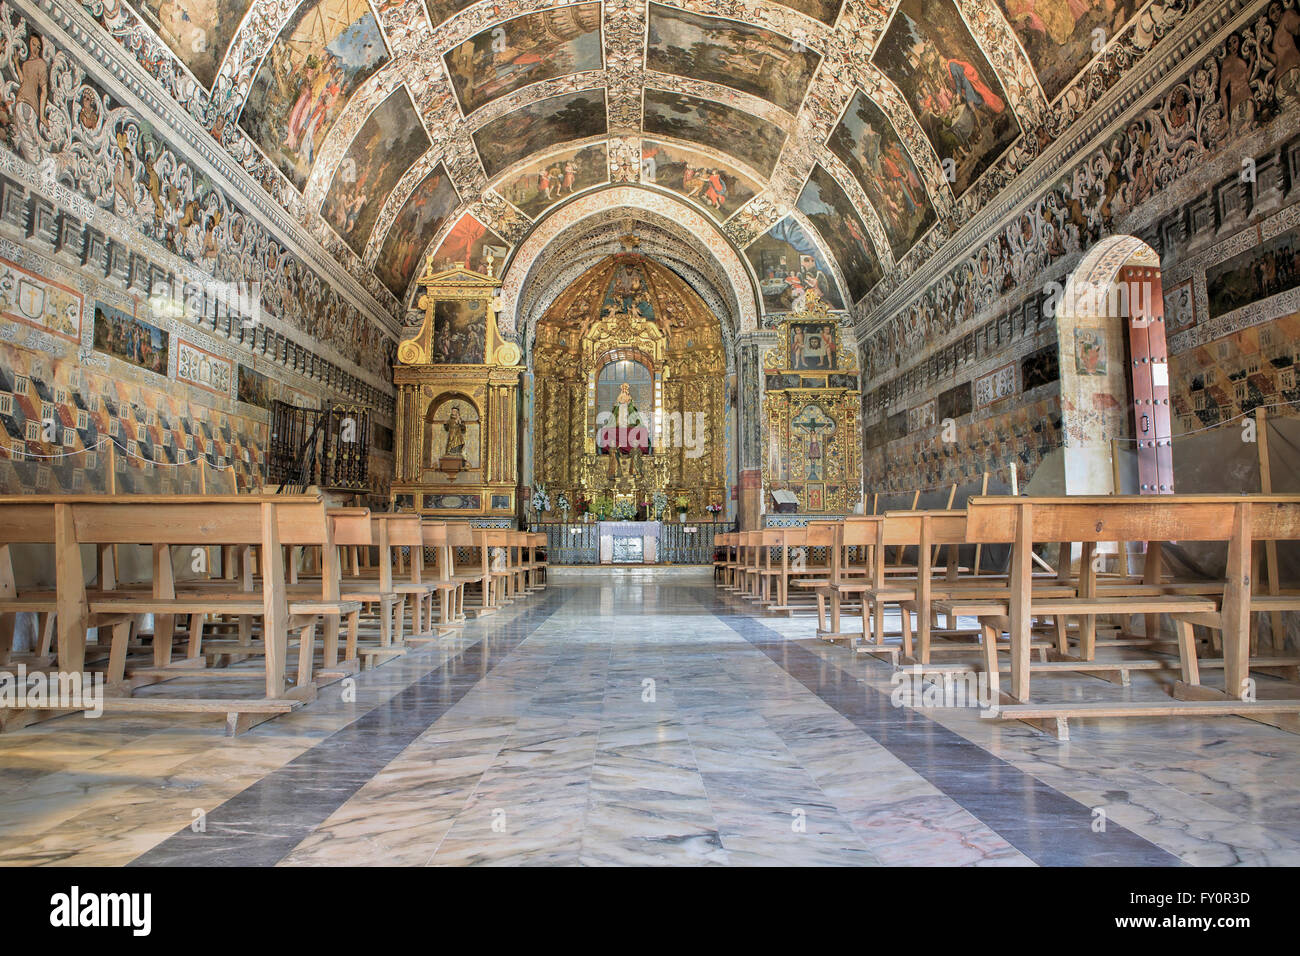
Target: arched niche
<point>1114,368</point>
<point>452,430</point>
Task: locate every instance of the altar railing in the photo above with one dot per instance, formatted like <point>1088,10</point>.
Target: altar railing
<point>693,542</point>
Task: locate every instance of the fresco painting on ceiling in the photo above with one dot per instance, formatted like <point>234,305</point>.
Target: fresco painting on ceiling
<point>831,211</point>
<point>425,212</point>
<point>1058,34</point>
<point>824,10</point>
<point>715,126</point>
<point>542,184</point>
<point>527,49</point>
<point>319,60</point>
<point>389,142</point>
<point>788,265</point>
<point>557,119</point>
<point>459,332</point>
<point>932,58</point>
<point>440,11</point>
<point>743,57</point>
<point>469,243</point>
<point>130,339</point>
<point>718,188</point>
<point>197,31</point>
<point>866,142</point>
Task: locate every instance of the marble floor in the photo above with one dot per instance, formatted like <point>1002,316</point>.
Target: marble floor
<point>643,719</point>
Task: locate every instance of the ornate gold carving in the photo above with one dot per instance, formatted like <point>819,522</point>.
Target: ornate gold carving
<point>657,320</point>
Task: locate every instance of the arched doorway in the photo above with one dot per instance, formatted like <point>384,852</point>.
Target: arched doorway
<point>1115,369</point>
<point>630,326</point>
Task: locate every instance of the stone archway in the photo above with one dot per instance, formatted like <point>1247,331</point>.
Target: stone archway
<point>1114,368</point>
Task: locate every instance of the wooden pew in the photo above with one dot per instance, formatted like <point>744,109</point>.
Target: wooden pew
<point>473,571</point>
<point>1238,520</point>
<point>449,590</point>
<point>162,523</point>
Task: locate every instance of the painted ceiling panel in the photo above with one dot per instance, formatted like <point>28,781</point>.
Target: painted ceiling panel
<point>514,137</point>
<point>427,210</point>
<point>749,59</point>
<point>541,184</point>
<point>715,126</point>
<point>327,50</point>
<point>867,143</point>
<point>827,206</point>
<point>932,58</point>
<point>389,142</point>
<point>527,49</point>
<point>197,31</point>
<point>1060,37</point>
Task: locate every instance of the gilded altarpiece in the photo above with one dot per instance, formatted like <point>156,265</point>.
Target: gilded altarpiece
<point>629,320</point>
<point>811,404</point>
<point>457,402</point>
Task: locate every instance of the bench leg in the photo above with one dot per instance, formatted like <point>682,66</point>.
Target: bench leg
<point>1191,671</point>
<point>306,653</point>
<point>354,626</point>
<point>117,650</point>
<point>835,612</point>
<point>821,610</point>
<point>330,642</point>
<point>196,636</point>
<point>905,616</point>
<point>8,627</point>
<point>385,622</point>
<point>45,622</point>
<point>989,646</point>
<point>1062,637</point>
<point>399,621</point>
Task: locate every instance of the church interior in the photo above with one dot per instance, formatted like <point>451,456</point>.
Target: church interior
<point>649,433</point>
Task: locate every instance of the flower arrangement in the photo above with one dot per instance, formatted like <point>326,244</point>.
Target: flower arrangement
<point>660,502</point>
<point>603,505</point>
<point>563,502</point>
<point>683,504</point>
<point>541,500</point>
<point>624,511</point>
<point>714,509</point>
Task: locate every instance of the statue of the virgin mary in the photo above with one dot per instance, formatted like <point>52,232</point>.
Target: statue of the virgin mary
<point>625,432</point>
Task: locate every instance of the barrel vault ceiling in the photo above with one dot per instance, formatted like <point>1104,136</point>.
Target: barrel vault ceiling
<point>852,137</point>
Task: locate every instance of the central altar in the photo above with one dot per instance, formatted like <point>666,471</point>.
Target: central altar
<point>629,542</point>
<point>629,394</point>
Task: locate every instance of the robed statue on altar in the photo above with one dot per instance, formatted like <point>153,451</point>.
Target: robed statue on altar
<point>625,435</point>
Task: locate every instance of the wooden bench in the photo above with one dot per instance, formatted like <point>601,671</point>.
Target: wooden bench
<point>161,523</point>
<point>1238,520</point>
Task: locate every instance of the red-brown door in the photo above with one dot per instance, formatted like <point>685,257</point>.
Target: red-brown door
<point>1149,368</point>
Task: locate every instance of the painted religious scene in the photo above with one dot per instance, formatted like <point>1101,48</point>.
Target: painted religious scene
<point>931,56</point>
<point>829,208</point>
<point>540,185</point>
<point>693,174</point>
<point>715,126</point>
<point>790,267</point>
<point>471,244</point>
<point>130,339</point>
<point>528,49</point>
<point>754,61</point>
<point>459,332</point>
<point>1061,37</point>
<point>197,31</point>
<point>866,142</point>
<point>532,128</point>
<point>390,141</point>
<point>320,59</point>
<point>430,206</point>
